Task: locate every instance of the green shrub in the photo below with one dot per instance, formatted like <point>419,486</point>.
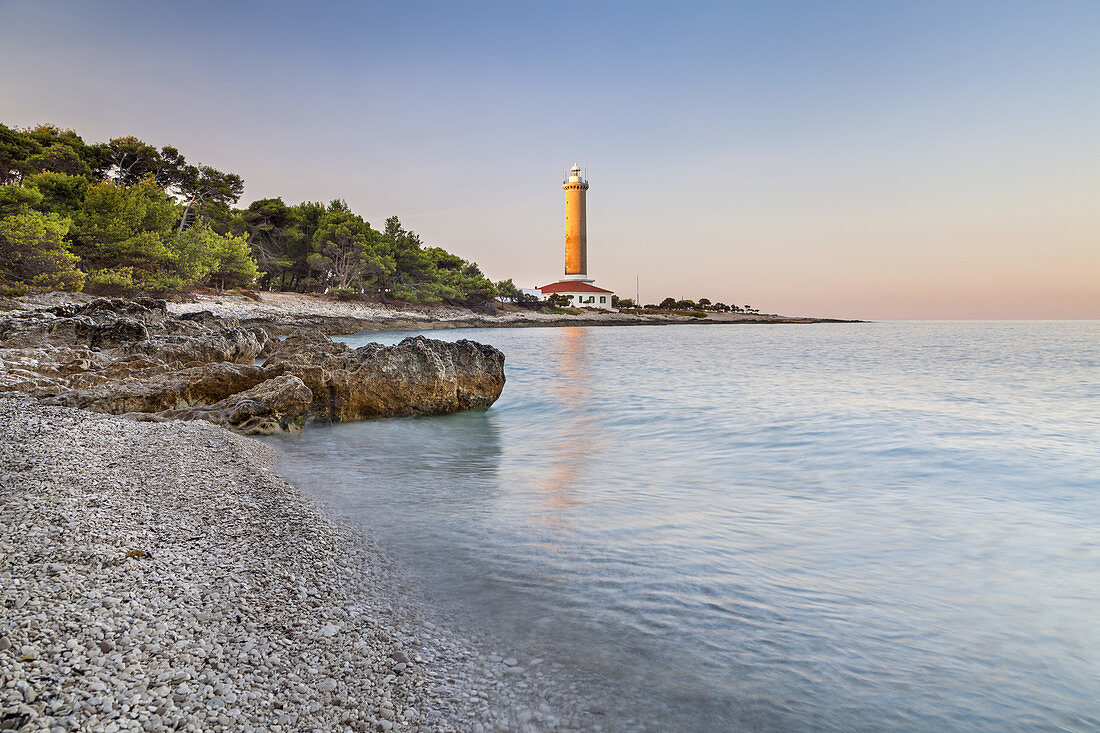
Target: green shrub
<point>111,281</point>
<point>14,290</point>
<point>345,293</point>
<point>33,250</point>
<point>160,283</point>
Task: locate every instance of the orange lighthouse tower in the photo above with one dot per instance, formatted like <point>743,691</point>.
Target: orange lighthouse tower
<point>576,286</point>
<point>576,226</point>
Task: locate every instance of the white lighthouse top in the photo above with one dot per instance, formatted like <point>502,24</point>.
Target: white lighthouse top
<point>575,174</point>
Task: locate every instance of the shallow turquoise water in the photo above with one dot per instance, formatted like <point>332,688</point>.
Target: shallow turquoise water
<point>781,527</point>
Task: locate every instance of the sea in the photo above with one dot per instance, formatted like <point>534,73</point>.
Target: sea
<point>836,527</point>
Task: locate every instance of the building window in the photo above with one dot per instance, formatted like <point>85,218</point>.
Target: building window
<point>603,298</point>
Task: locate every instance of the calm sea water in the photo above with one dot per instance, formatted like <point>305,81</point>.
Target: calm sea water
<point>827,527</point>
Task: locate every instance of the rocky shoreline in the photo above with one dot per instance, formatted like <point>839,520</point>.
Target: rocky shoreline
<point>158,576</point>
<point>283,313</point>
<point>135,358</point>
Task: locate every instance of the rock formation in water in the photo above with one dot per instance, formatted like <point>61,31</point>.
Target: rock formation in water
<point>419,376</point>
<point>133,358</point>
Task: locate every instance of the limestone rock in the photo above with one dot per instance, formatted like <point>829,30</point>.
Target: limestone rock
<point>132,357</point>
<point>237,345</point>
<point>419,376</point>
<point>156,388</point>
<point>275,405</point>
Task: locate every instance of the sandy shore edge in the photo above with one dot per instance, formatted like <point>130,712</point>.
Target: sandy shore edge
<point>158,576</point>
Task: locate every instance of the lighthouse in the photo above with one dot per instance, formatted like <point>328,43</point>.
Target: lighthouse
<point>575,284</point>
<point>576,226</point>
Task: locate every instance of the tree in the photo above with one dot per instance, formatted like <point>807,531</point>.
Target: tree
<point>130,209</point>
<point>414,271</point>
<point>61,151</point>
<point>299,240</point>
<point>459,282</point>
<point>559,300</point>
<point>15,147</point>
<point>127,230</point>
<point>234,266</point>
<point>206,186</point>
<point>129,161</point>
<point>203,255</point>
<point>57,158</point>
<point>171,169</point>
<point>33,252</point>
<point>266,224</point>
<point>668,304</point>
<point>17,199</point>
<point>344,249</point>
<point>61,194</point>
<point>506,289</point>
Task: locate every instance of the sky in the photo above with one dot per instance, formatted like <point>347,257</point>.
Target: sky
<point>883,160</point>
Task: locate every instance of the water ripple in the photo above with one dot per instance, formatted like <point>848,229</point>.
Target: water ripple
<point>867,527</point>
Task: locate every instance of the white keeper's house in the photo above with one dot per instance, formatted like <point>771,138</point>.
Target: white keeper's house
<point>582,294</point>
<point>576,285</point>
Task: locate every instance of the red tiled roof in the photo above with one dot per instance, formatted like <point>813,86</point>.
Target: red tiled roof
<point>571,286</point>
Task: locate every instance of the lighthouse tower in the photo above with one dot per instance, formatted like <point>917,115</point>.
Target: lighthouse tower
<point>576,285</point>
<point>576,226</point>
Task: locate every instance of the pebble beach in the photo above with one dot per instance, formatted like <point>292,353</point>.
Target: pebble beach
<point>158,576</point>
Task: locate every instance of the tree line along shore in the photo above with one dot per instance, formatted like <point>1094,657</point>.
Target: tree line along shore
<point>126,218</point>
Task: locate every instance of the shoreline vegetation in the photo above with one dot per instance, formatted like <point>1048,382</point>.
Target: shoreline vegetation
<point>124,218</point>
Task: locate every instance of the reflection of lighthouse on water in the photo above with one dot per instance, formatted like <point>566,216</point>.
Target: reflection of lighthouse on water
<point>570,450</point>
